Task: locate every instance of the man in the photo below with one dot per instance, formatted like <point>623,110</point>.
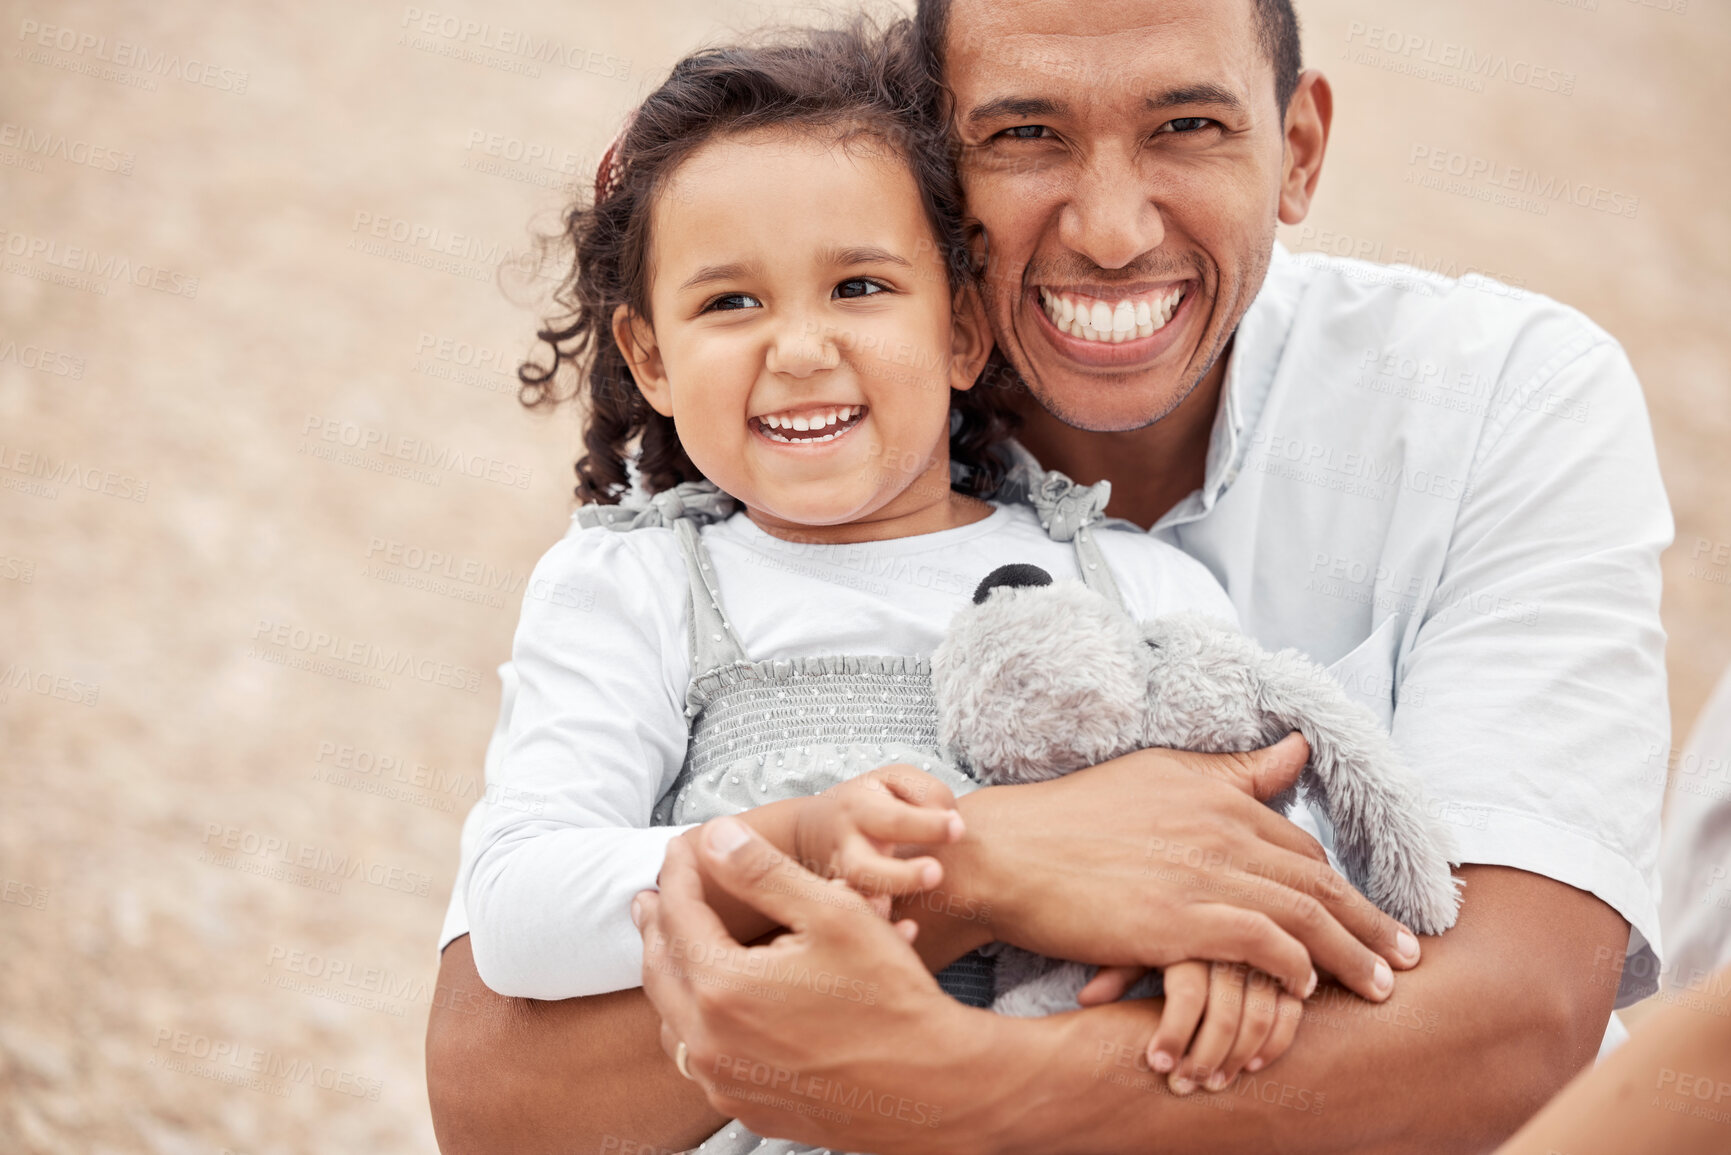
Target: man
<point>1482,573</point>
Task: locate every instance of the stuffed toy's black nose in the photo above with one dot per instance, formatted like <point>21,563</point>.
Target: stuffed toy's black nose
<point>1015,574</point>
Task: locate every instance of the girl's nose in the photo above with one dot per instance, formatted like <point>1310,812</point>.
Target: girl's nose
<point>802,352</point>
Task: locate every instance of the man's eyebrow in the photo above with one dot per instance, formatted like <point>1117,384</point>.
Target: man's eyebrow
<point>1014,107</point>
<point>863,255</point>
<point>1205,93</point>
<point>709,274</point>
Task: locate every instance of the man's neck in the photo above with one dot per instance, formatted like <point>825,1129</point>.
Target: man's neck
<point>1151,469</point>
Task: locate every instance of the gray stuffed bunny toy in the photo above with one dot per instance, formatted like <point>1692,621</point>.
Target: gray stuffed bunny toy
<point>1038,678</point>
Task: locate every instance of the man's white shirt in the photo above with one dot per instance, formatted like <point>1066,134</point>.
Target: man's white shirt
<point>1448,492</point>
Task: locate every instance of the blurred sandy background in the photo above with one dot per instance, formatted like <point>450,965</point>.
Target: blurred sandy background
<point>223,872</point>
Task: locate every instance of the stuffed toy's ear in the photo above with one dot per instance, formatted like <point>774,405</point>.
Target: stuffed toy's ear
<point>1013,576</point>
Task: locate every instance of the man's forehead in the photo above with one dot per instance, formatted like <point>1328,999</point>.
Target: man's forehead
<point>1124,48</point>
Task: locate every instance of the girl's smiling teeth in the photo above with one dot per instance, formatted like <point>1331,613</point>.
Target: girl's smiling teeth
<point>808,424</point>
<point>1111,322</point>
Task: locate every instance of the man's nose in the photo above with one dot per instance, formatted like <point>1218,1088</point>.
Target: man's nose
<point>801,349</point>
<point>1110,218</point>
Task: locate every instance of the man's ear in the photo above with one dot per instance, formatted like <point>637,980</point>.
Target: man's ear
<point>1308,117</point>
<point>636,340</point>
<point>970,338</point>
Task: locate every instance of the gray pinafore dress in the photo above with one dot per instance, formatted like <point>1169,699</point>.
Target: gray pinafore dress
<point>766,730</point>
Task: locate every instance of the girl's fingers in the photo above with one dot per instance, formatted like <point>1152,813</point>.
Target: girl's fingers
<point>1219,1028</point>
<point>916,787</point>
<point>1186,995</point>
<point>1288,1012</point>
<point>1261,1002</point>
<point>1109,984</point>
<point>891,820</point>
<point>872,872</point>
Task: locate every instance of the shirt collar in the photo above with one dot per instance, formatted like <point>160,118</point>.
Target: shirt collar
<point>1257,345</point>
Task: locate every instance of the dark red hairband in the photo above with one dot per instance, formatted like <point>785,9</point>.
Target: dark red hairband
<point>611,170</point>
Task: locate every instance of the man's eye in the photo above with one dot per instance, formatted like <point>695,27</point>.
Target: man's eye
<point>1025,132</point>
<point>858,287</point>
<point>729,301</point>
<point>1186,124</point>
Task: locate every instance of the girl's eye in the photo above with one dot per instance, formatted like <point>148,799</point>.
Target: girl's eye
<point>730,301</point>
<point>858,287</point>
<point>1025,132</point>
<point>1186,124</point>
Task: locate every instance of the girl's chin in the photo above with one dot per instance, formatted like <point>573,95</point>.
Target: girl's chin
<point>795,506</point>
<point>805,515</point>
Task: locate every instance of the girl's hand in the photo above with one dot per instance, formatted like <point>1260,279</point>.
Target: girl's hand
<point>858,830</point>
<point>1249,1023</point>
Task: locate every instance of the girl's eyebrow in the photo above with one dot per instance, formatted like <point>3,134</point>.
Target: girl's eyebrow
<point>864,255</point>
<point>728,272</point>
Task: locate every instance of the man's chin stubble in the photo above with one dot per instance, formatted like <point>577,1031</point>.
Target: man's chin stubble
<point>1069,415</point>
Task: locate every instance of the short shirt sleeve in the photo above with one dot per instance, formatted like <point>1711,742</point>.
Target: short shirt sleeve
<point>1532,698</point>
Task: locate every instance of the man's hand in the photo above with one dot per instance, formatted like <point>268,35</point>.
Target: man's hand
<point>1161,856</point>
<point>794,1036</point>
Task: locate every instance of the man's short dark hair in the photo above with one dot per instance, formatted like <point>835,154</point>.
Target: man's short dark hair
<point>1276,29</point>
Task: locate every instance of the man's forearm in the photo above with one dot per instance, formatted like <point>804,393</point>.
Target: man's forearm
<point>1503,1011</point>
<point>577,1077</point>
<point>955,917</point>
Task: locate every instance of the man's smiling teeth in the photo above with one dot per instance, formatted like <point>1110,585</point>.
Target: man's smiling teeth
<point>842,418</point>
<point>1110,322</point>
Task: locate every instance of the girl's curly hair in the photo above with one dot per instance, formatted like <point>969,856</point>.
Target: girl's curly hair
<point>853,81</point>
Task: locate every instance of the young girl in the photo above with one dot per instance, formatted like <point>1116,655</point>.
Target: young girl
<point>770,306</point>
